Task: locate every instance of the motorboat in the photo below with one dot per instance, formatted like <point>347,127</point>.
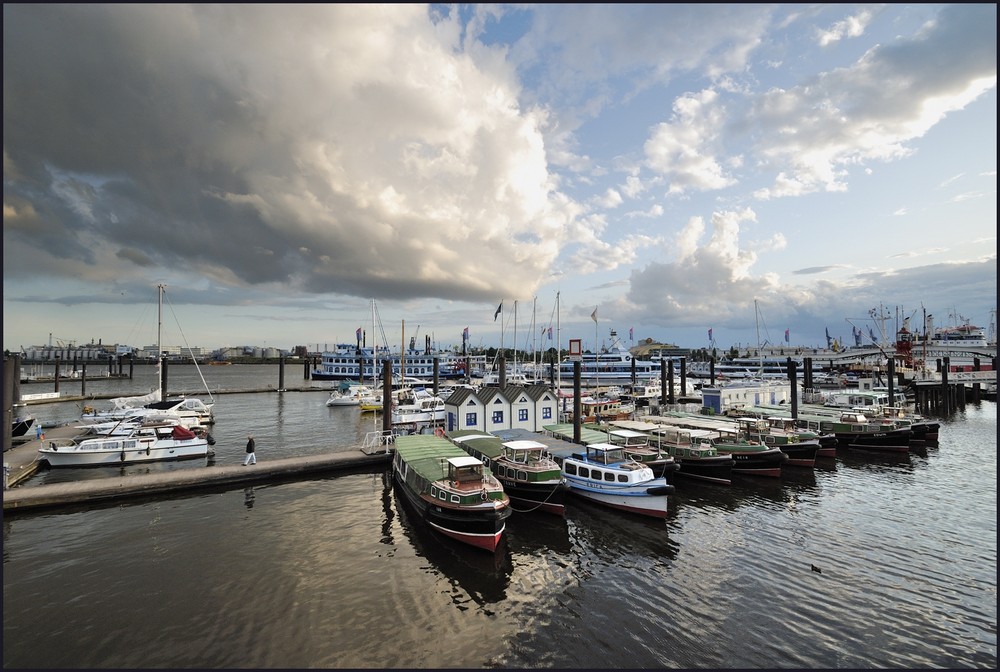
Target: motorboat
<point>147,443</point>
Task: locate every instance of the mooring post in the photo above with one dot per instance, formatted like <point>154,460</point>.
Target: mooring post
<point>577,406</point>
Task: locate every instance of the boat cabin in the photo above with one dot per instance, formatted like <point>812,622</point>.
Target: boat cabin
<point>605,453</point>
<point>628,438</point>
<point>524,451</point>
<point>753,425</point>
<point>465,470</point>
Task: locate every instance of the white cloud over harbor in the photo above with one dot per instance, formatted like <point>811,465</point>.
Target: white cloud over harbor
<point>277,167</point>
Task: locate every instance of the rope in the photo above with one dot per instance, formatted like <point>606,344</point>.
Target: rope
<point>544,501</point>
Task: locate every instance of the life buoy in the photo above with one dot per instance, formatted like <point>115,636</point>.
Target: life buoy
<point>439,432</point>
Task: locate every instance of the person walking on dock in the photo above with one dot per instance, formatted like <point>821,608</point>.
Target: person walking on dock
<point>251,455</point>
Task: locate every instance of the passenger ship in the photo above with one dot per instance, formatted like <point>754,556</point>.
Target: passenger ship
<point>349,362</point>
<point>611,365</point>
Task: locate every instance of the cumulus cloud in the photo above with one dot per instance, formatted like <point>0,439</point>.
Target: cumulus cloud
<point>683,149</point>
<point>852,26</point>
<point>357,150</point>
<point>895,93</point>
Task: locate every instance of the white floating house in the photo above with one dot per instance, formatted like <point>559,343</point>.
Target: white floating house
<point>491,408</point>
<point>721,399</point>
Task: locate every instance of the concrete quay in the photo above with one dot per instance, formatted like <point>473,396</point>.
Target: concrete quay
<point>22,464</point>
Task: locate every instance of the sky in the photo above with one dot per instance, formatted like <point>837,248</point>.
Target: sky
<point>658,170</point>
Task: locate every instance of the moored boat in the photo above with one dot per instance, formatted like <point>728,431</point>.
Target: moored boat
<point>750,457</point>
<point>693,450</point>
<point>20,425</point>
<point>455,493</point>
<point>348,394</point>
<point>530,477</point>
<point>637,447</point>
<point>801,451</point>
<point>604,475</point>
<point>855,430</point>
<point>147,443</point>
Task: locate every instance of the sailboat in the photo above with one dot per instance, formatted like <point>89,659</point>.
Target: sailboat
<point>154,433</point>
<point>190,411</point>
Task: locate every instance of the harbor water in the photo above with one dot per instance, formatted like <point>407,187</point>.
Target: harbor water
<point>868,561</point>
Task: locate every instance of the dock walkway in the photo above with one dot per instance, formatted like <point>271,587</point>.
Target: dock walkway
<point>20,464</point>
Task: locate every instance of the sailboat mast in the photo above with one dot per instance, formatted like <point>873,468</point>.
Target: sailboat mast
<point>558,347</point>
<point>515,335</point>
<point>534,341</point>
<point>159,342</point>
<point>760,350</point>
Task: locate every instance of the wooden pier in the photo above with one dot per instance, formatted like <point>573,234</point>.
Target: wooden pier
<point>20,463</point>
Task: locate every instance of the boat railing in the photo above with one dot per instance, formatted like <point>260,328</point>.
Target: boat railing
<point>378,441</point>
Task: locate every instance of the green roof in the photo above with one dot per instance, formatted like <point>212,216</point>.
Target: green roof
<point>427,454</point>
<point>587,435</point>
<point>491,446</point>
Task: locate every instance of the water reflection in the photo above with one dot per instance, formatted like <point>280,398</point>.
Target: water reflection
<point>771,493</point>
<point>536,532</point>
<point>475,575</point>
<point>615,537</point>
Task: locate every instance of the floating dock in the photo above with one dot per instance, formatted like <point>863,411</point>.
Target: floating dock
<point>20,464</point>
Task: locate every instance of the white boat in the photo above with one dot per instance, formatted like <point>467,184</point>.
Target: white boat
<point>189,411</point>
<point>611,365</point>
<point>422,407</point>
<point>147,443</point>
<point>606,476</point>
<point>349,396</point>
<point>193,411</point>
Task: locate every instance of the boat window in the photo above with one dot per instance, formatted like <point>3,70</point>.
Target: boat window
<point>584,472</point>
<point>609,476</point>
<point>571,469</point>
<point>623,478</point>
<point>455,499</point>
<point>522,475</point>
<point>442,495</point>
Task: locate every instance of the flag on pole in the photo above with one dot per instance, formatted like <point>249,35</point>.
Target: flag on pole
<point>550,333</point>
<point>630,334</point>
<point>786,335</point>
<point>710,335</point>
<point>465,334</point>
<point>593,315</point>
<point>828,339</point>
<point>499,308</point>
<point>359,333</point>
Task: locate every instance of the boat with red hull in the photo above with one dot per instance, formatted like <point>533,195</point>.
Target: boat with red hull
<point>455,493</point>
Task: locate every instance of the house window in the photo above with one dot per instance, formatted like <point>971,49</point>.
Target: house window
<point>546,412</point>
<point>470,420</point>
<point>522,415</point>
<point>497,417</point>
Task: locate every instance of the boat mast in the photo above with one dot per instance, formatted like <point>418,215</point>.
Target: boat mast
<point>515,336</point>
<point>159,346</point>
<point>534,340</point>
<point>558,347</point>
<point>760,350</point>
